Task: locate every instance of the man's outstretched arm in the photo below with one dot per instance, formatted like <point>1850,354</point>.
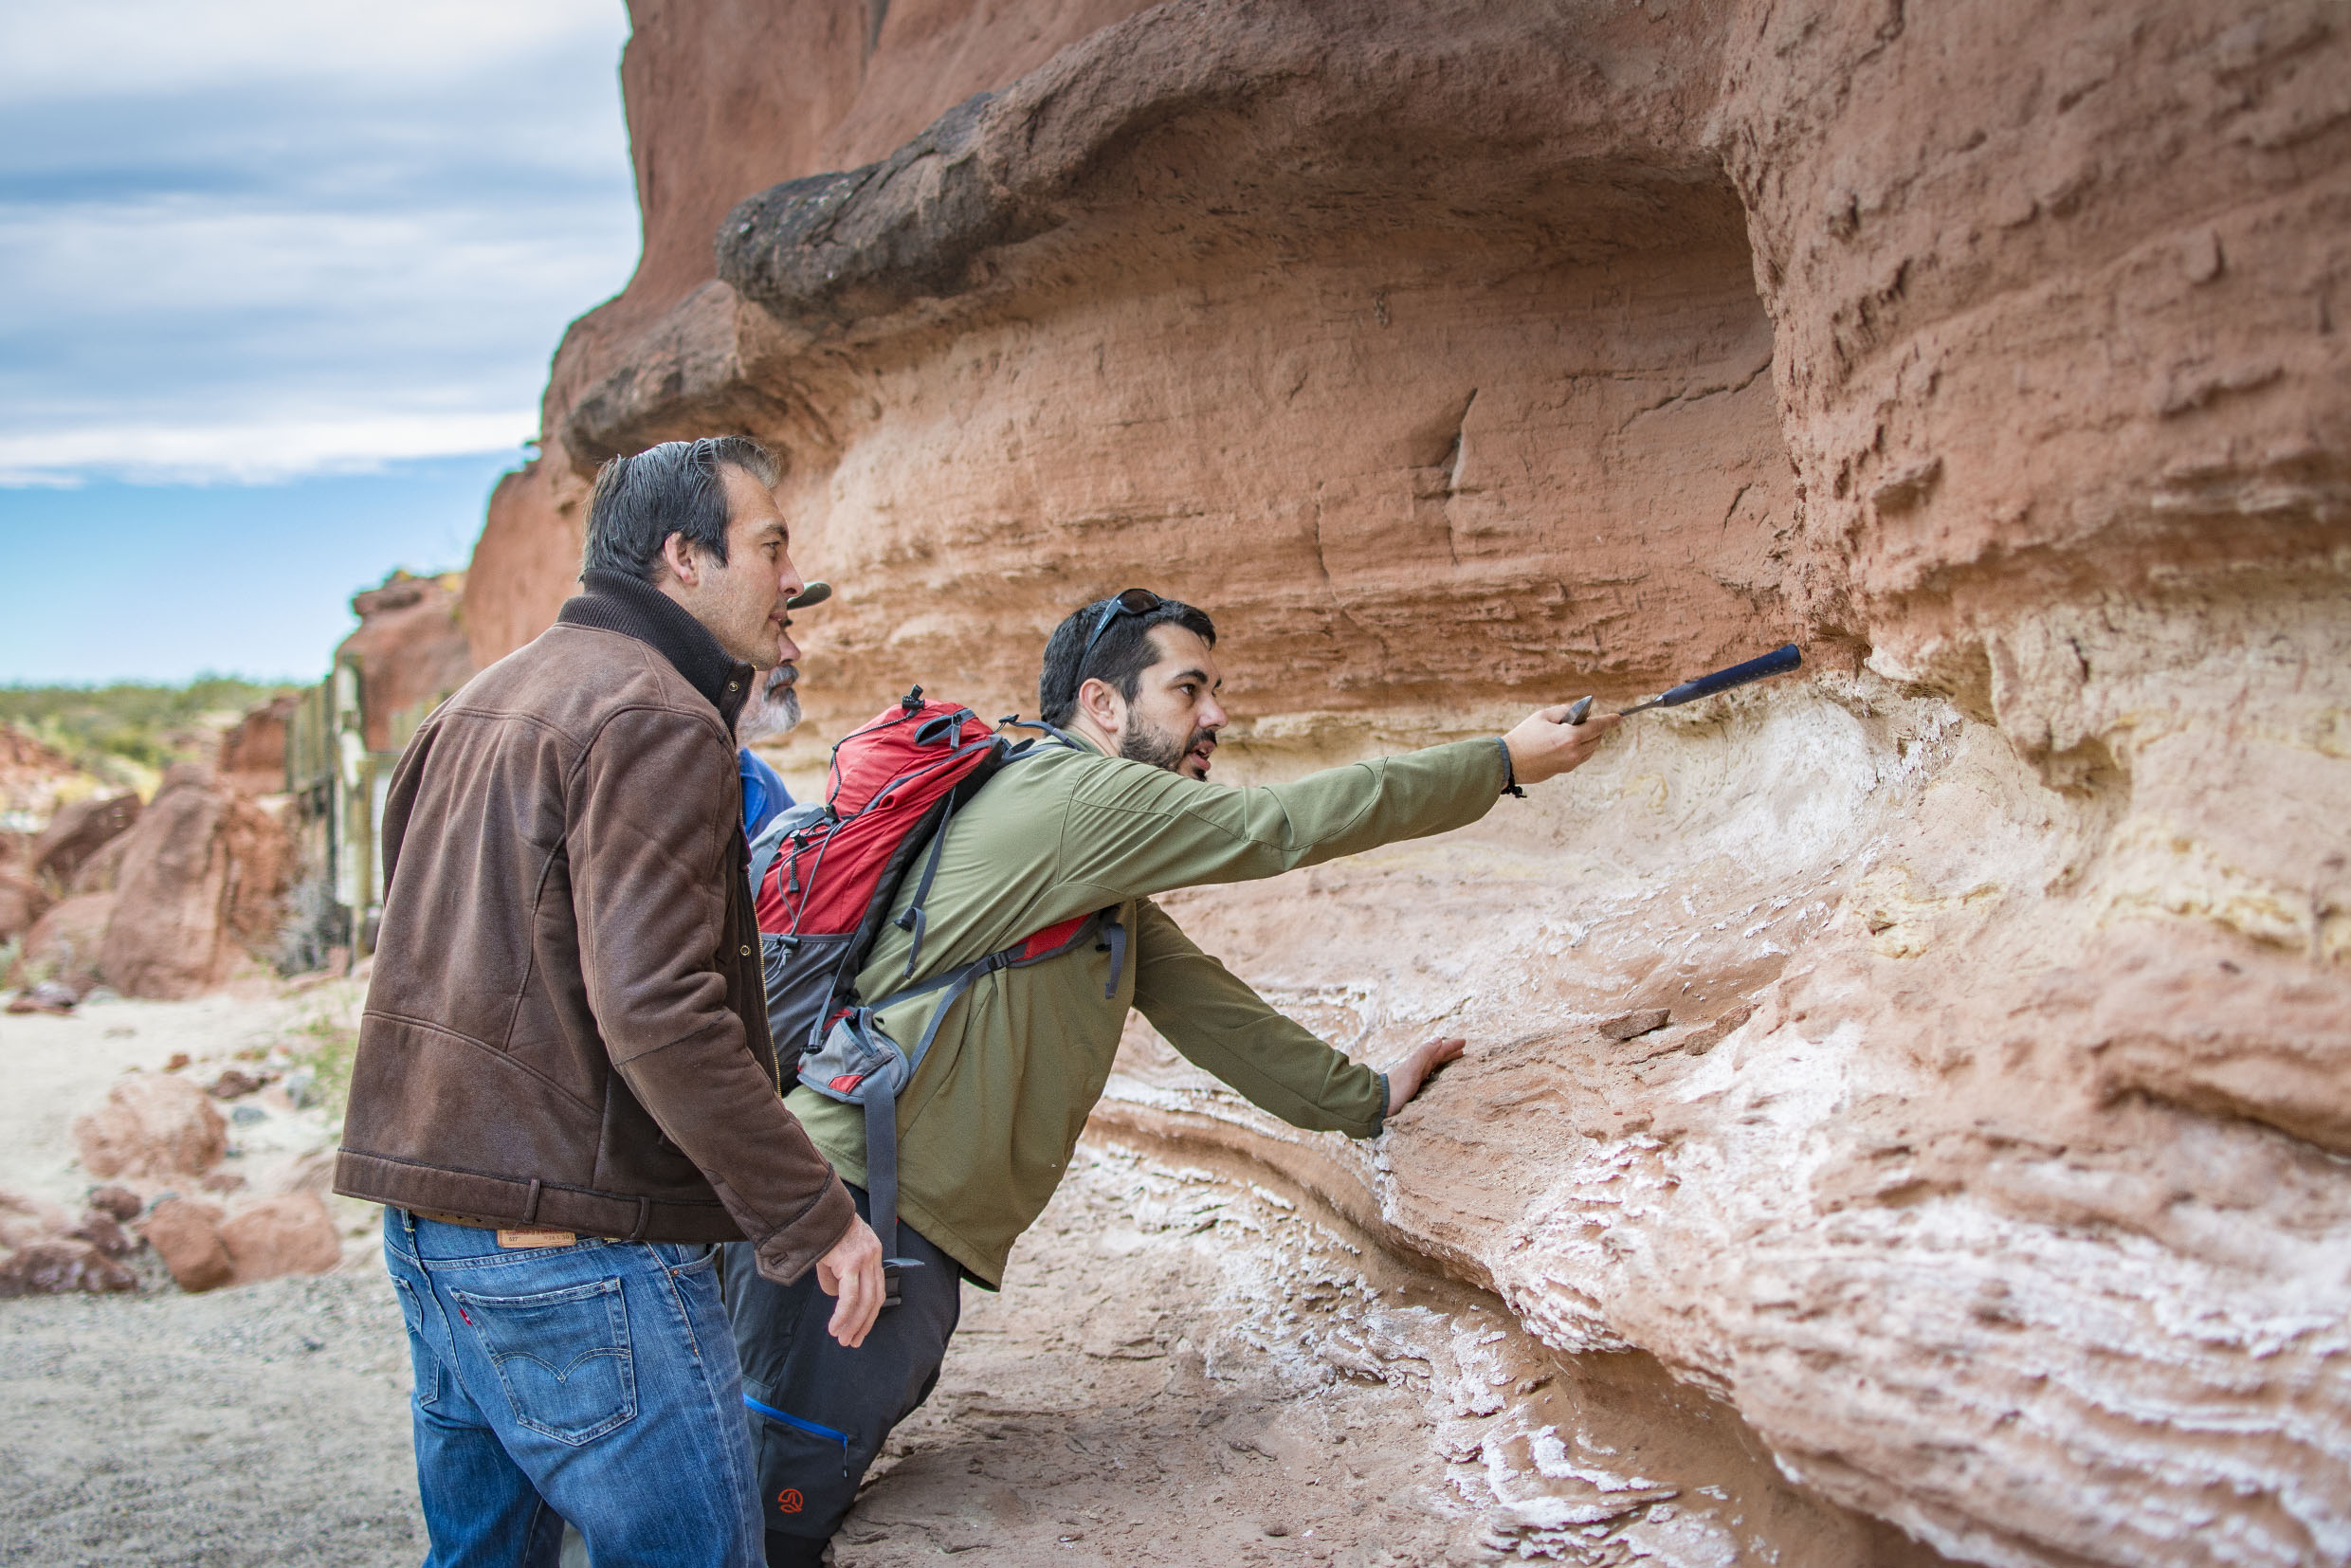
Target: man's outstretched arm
<point>1132,830</point>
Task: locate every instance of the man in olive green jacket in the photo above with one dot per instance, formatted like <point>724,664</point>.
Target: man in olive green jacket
<point>1111,809</point>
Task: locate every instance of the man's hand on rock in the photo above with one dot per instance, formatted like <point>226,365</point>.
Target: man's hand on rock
<point>1412,1069</point>
<point>852,1271</point>
<point>1546,744</point>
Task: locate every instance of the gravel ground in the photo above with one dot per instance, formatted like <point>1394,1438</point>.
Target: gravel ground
<point>1117,1404</point>
<point>1110,1407</point>
<point>1184,1369</point>
<point>262,1425</point>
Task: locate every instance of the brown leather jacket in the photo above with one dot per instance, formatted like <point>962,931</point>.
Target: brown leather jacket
<point>565,1027</point>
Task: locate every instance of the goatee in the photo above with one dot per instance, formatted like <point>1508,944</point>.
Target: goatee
<point>1138,744</point>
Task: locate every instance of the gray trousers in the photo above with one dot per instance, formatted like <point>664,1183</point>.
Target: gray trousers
<point>818,1413</point>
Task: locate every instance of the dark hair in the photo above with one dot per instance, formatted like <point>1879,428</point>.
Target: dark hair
<point>672,488</point>
<point>1119,657</point>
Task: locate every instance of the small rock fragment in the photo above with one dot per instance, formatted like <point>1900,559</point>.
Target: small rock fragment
<point>151,1125</point>
<point>186,1235</point>
<point>120,1202</point>
<point>56,1267</point>
<point>234,1084</point>
<point>1275,1527</point>
<point>1709,1035</point>
<point>1628,1025</point>
<point>46,997</point>
<point>282,1236</point>
<point>101,1231</point>
<point>2200,254</point>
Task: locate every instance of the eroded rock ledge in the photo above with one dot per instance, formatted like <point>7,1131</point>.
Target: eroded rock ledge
<point>1990,1160</point>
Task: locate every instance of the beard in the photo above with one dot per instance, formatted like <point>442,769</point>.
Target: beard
<point>1156,747</point>
<point>776,710</point>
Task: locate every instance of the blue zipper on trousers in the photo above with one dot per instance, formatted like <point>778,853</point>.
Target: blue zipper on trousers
<point>811,1428</point>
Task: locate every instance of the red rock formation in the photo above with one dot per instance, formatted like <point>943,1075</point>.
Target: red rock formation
<point>200,889</point>
<point>410,648</point>
<point>185,1233</point>
<point>153,1127</point>
<point>68,937</point>
<point>287,1234</point>
<point>252,753</point>
<point>59,1268</point>
<point>80,831</point>
<point>189,896</point>
<point>1459,355</point>
<point>22,902</point>
<point>711,119</point>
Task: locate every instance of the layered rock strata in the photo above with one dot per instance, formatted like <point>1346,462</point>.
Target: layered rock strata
<point>1990,1155</point>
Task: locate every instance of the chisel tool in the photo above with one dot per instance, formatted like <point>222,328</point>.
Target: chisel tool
<point>1777,662</point>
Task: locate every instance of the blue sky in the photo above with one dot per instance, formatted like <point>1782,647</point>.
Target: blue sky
<point>279,282</point>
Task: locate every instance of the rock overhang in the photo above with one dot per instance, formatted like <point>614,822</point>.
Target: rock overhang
<point>1578,344</point>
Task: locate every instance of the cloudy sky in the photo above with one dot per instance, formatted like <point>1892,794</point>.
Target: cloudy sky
<point>279,282</point>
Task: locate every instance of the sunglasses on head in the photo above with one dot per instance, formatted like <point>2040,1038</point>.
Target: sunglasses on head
<point>1133,601</point>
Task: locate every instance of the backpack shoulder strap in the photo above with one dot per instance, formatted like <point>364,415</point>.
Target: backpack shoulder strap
<point>770,840</point>
<point>1015,721</point>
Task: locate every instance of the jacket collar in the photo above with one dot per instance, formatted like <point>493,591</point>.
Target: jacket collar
<point>615,601</point>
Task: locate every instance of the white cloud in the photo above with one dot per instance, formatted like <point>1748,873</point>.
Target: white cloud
<point>271,239</point>
<point>258,451</point>
<point>117,48</point>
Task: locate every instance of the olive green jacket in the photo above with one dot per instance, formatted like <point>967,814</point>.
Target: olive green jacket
<point>988,1124</point>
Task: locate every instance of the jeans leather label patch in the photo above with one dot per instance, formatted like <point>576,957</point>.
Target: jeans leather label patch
<point>536,1238</point>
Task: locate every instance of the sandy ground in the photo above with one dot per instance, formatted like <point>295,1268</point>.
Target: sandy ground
<point>1186,1367</point>
<point>1135,1396</point>
<point>56,1068</point>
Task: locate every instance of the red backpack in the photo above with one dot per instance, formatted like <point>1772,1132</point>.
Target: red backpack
<point>825,877</point>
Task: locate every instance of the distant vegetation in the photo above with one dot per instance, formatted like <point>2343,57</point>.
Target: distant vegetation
<point>131,730</point>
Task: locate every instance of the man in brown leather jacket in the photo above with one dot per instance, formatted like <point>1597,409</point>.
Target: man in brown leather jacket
<point>565,1093</point>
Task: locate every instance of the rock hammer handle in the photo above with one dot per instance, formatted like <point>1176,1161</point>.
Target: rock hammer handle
<point>1777,662</point>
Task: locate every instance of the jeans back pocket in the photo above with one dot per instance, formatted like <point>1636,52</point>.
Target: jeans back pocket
<point>561,1356</point>
<point>425,1367</point>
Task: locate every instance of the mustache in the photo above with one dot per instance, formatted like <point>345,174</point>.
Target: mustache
<point>775,710</point>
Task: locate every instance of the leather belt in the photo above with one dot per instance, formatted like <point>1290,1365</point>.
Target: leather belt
<point>517,1236</point>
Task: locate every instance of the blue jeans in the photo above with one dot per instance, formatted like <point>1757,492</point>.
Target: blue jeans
<point>594,1383</point>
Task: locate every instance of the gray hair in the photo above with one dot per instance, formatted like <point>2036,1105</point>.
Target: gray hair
<point>773,708</point>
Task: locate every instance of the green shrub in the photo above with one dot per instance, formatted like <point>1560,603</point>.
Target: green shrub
<point>147,727</point>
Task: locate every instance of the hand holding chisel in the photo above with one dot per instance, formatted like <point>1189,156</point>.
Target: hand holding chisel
<point>1777,662</point>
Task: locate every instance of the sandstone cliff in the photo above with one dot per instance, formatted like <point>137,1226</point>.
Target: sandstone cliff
<point>1990,1161</point>
<point>412,650</point>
